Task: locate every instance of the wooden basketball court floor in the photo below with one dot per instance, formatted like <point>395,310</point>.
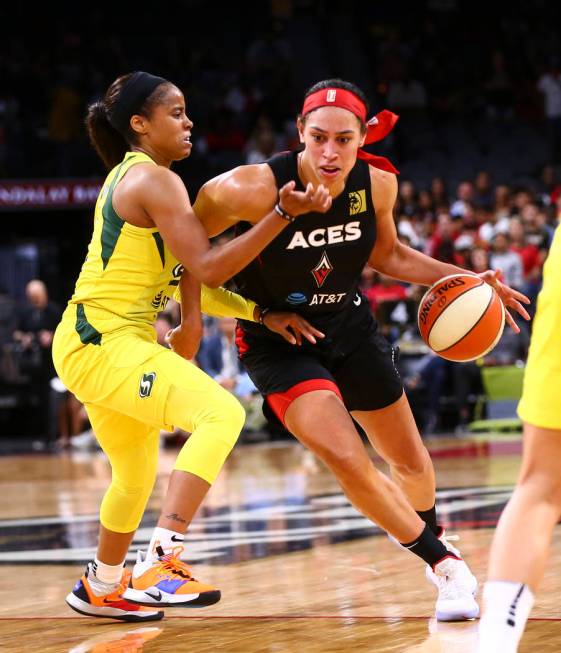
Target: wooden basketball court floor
<point>300,570</point>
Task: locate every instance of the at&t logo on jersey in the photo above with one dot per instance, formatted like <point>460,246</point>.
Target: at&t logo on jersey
<point>146,384</point>
<point>327,298</point>
<point>339,233</point>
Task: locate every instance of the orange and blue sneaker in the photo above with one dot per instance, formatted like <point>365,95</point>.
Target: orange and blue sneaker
<point>167,582</point>
<point>113,605</point>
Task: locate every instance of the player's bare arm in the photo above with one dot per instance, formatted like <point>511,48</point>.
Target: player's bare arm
<point>166,202</point>
<point>389,255</point>
<point>399,261</point>
<point>225,200</point>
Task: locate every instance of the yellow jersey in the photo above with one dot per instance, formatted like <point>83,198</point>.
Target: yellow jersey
<point>128,275</point>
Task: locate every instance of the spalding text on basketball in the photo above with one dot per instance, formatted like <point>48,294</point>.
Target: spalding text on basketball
<point>437,294</point>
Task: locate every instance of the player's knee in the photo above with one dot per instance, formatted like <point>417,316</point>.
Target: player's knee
<point>349,466</point>
<point>545,487</point>
<point>123,505</point>
<point>225,414</point>
<point>417,463</point>
<point>234,413</point>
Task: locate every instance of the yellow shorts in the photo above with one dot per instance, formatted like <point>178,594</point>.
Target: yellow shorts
<point>132,387</point>
<point>540,404</point>
<point>129,372</point>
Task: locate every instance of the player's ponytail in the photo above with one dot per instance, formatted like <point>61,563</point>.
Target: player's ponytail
<point>108,120</point>
<point>107,141</point>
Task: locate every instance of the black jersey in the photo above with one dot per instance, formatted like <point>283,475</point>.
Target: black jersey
<point>314,265</point>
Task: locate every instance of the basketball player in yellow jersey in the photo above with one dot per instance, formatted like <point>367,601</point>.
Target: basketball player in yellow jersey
<point>521,544</point>
<point>105,348</point>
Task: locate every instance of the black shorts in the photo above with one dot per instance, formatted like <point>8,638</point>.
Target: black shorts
<point>365,375</point>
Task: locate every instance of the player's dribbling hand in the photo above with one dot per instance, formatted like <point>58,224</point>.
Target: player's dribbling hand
<point>508,295</point>
<point>185,339</point>
<point>296,202</point>
<point>291,327</point>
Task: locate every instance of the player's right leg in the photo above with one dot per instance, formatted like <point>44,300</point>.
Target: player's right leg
<point>132,449</point>
<point>320,421</point>
<point>520,548</point>
<point>170,392</point>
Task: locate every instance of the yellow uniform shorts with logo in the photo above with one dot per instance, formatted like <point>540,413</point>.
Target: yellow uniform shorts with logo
<point>132,388</point>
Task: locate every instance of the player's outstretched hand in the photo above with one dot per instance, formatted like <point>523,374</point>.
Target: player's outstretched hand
<point>291,327</point>
<point>296,202</point>
<point>510,298</point>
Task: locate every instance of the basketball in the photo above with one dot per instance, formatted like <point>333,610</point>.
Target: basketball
<point>461,317</point>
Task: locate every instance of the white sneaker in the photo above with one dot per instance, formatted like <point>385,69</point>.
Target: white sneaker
<point>457,588</point>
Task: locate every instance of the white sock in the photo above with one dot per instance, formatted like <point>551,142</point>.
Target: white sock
<point>506,609</point>
<point>164,538</point>
<point>104,579</point>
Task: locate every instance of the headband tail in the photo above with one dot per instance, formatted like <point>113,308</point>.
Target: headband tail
<point>380,126</point>
<point>379,162</point>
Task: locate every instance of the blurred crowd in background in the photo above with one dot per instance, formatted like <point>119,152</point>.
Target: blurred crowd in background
<point>478,145</point>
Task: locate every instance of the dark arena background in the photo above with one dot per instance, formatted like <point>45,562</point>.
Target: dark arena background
<point>478,146</point>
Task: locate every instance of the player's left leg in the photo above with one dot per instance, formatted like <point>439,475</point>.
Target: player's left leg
<point>394,434</point>
<point>520,548</point>
<point>373,392</point>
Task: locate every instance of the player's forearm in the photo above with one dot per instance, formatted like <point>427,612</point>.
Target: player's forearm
<point>407,264</point>
<point>190,294</point>
<point>220,302</point>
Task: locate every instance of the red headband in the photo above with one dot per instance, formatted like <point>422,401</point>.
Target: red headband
<point>377,128</point>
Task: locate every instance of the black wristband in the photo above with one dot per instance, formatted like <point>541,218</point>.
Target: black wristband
<point>283,214</point>
<point>262,313</point>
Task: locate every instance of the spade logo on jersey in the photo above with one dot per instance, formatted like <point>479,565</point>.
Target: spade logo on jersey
<point>357,202</point>
<point>146,384</point>
<point>322,269</point>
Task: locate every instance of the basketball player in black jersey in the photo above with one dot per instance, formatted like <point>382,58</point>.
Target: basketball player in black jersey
<point>314,268</point>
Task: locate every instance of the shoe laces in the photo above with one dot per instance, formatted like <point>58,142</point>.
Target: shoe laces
<point>173,565</point>
<point>446,539</point>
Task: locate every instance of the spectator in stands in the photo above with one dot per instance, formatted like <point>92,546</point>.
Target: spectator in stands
<point>479,260</point>
<point>441,244</point>
<point>439,193</point>
<point>408,228</point>
<point>464,194</point>
<point>426,204</point>
<point>407,198</point>
<point>483,191</point>
<point>503,201</point>
<point>494,223</point>
<point>529,253</point>
<point>385,289</point>
<point>509,262</point>
<point>535,234</point>
<point>463,246</point>
<point>549,187</point>
<point>36,323</point>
